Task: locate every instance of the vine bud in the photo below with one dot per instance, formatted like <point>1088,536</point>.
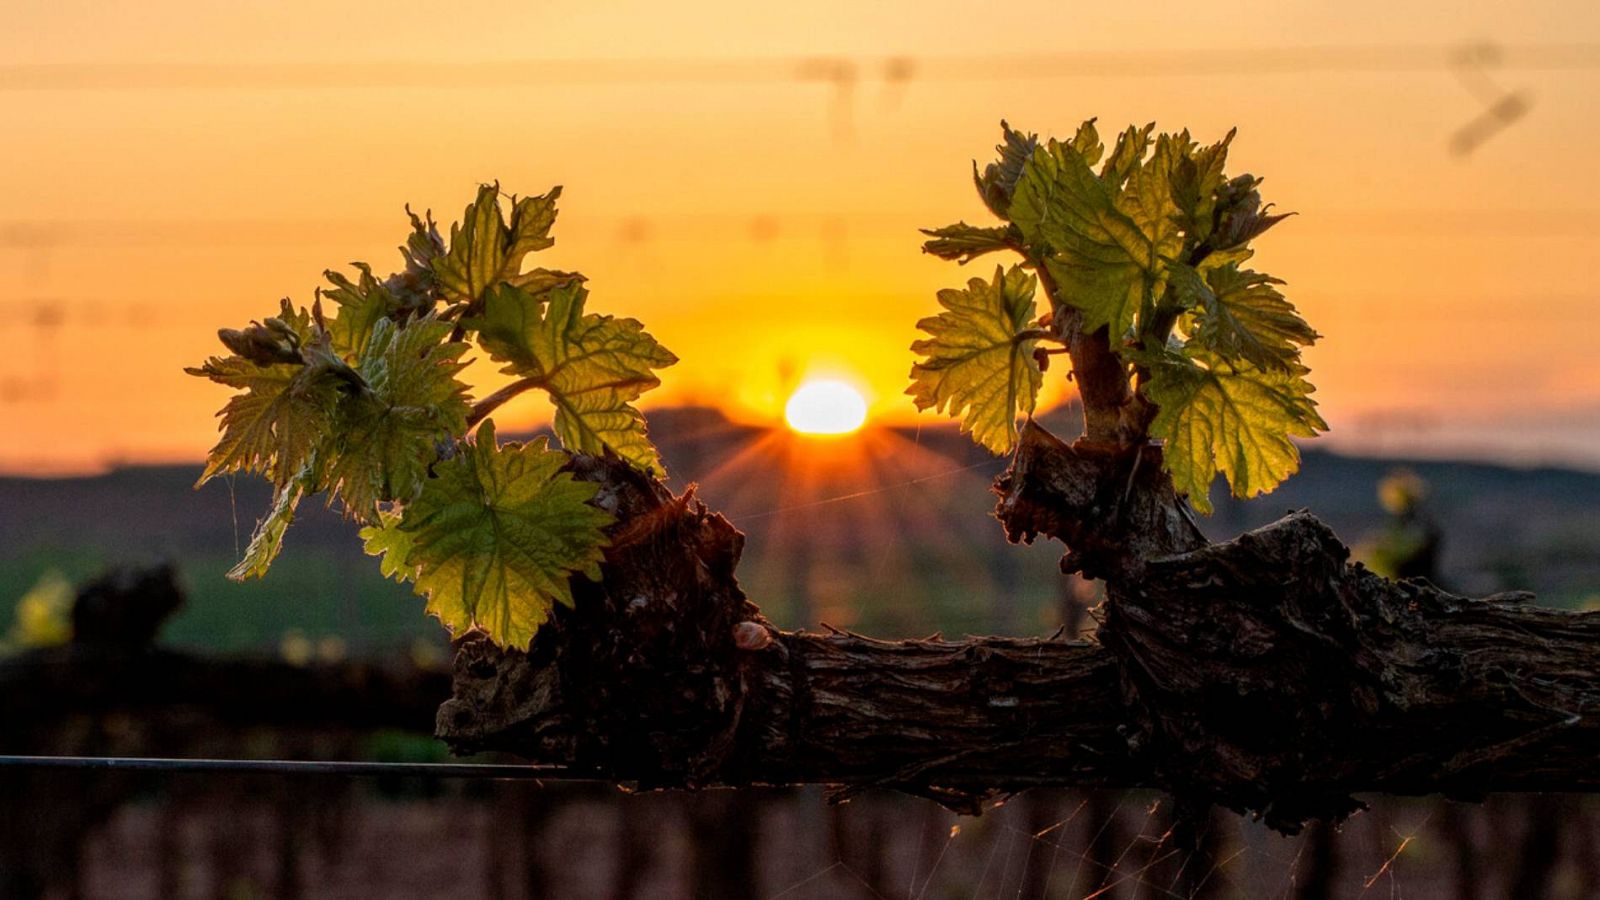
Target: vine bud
<point>751,636</point>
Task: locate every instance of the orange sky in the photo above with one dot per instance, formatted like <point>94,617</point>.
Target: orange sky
<point>166,169</point>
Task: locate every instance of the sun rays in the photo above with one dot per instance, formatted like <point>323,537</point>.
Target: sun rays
<point>850,530</point>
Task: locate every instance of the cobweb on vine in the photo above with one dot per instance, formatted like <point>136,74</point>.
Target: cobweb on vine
<point>508,840</point>
<point>1103,846</point>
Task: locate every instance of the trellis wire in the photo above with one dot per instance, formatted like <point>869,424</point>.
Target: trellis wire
<point>341,768</point>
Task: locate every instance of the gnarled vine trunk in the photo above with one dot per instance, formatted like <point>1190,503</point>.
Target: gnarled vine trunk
<point>1265,673</point>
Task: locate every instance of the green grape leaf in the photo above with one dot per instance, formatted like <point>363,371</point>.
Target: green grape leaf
<point>1218,259</point>
<point>423,245</point>
<point>285,408</point>
<point>485,250</point>
<point>592,366</point>
<point>360,304</point>
<point>999,178</point>
<point>495,537</point>
<point>385,538</point>
<point>1129,150</point>
<point>964,243</point>
<point>268,537</point>
<point>1236,419</point>
<point>1195,182</point>
<point>414,290</point>
<point>1240,314</point>
<point>1087,142</point>
<point>1103,264</point>
<point>387,434</point>
<point>1147,200</point>
<point>979,363</point>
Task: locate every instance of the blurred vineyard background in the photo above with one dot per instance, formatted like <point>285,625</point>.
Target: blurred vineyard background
<point>884,533</point>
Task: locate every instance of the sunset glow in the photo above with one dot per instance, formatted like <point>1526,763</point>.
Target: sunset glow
<point>825,407</point>
<point>748,182</point>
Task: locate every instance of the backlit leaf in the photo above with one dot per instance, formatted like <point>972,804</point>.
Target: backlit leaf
<point>964,243</point>
<point>1230,418</point>
<point>1125,156</point>
<point>593,366</point>
<point>999,178</point>
<point>1087,142</point>
<point>268,537</point>
<point>486,250</point>
<point>388,434</point>
<point>385,538</point>
<point>496,536</point>
<point>1239,314</point>
<point>1102,262</point>
<point>1195,183</point>
<point>282,412</point>
<point>359,305</point>
<point>1146,198</point>
<point>977,364</point>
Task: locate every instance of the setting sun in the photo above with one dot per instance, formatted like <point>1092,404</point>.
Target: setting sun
<point>825,407</point>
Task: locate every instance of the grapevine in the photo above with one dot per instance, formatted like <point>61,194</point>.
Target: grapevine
<point>1266,673</point>
<point>366,406</point>
<point>1141,260</point>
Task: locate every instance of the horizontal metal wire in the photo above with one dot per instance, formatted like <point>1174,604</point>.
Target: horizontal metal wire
<point>838,70</point>
<point>346,769</point>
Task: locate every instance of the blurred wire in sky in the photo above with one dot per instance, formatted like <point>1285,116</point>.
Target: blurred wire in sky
<point>833,70</point>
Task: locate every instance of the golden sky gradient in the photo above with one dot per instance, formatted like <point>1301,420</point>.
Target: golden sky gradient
<point>748,181</point>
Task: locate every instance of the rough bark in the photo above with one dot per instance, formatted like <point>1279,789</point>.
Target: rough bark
<point>1265,673</point>
<point>1111,504</point>
<point>1272,675</point>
